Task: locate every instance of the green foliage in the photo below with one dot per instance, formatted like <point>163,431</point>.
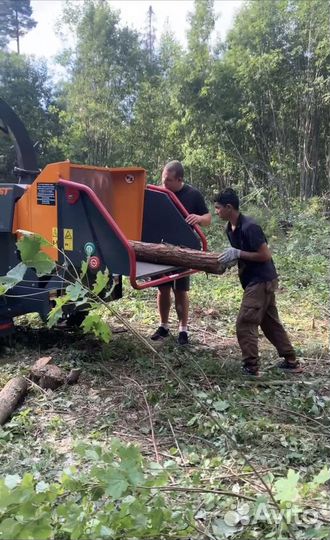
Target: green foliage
<point>105,73</point>
<point>30,246</point>
<point>13,276</point>
<point>275,51</point>
<point>114,492</point>
<point>15,20</point>
<point>25,85</point>
<point>101,282</point>
<point>56,312</point>
<point>93,323</point>
<point>74,294</point>
<point>203,105</point>
<point>251,112</point>
<point>115,497</point>
<point>286,489</point>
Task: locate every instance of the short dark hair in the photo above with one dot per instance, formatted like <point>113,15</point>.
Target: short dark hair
<point>176,167</point>
<point>227,196</point>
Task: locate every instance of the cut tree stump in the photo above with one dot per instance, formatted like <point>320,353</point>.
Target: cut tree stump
<point>48,375</point>
<point>181,257</point>
<point>52,377</point>
<point>38,368</point>
<point>12,393</point>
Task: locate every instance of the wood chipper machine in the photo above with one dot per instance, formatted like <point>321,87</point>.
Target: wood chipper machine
<point>86,213</point>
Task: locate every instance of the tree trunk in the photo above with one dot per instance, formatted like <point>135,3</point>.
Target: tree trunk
<point>17,30</point>
<point>178,256</point>
<point>10,395</point>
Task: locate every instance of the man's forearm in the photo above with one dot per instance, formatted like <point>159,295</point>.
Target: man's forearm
<point>205,220</point>
<point>255,256</point>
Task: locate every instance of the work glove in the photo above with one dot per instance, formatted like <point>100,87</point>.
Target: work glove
<point>228,255</point>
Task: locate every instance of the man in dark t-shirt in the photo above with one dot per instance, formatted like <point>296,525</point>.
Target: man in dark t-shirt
<point>258,277</point>
<point>193,201</point>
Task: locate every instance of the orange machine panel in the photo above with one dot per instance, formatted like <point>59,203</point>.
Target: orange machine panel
<point>36,211</point>
<point>120,190</point>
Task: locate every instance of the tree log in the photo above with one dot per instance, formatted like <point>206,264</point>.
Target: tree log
<point>10,395</point>
<point>206,261</point>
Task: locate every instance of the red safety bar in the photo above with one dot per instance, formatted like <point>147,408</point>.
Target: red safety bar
<point>72,188</point>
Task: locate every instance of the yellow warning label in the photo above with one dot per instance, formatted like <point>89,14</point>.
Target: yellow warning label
<point>54,236</point>
<point>68,239</point>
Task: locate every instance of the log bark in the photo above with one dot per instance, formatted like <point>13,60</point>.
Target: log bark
<point>46,374</point>
<point>206,261</point>
<point>37,369</point>
<point>52,377</point>
<point>73,376</point>
<point>10,396</point>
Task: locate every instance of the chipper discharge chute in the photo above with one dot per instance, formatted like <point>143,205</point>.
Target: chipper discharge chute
<point>86,213</point>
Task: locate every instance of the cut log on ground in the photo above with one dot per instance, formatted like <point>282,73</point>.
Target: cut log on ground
<point>12,393</point>
<point>206,261</point>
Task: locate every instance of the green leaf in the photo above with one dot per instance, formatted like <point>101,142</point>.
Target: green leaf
<point>102,280</point>
<point>322,477</point>
<point>84,269</point>
<point>12,480</point>
<point>221,405</point>
<point>93,323</point>
<point>157,519</point>
<point>30,243</point>
<point>56,312</point>
<point>221,530</point>
<point>14,276</point>
<point>41,263</point>
<point>116,483</point>
<point>130,460</point>
<point>9,529</point>
<point>286,489</point>
<point>130,453</point>
<point>76,291</point>
<point>38,529</point>
<point>29,247</point>
<point>323,533</point>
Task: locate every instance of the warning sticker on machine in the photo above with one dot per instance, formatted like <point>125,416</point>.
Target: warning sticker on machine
<point>54,236</point>
<point>68,239</point>
<point>46,194</point>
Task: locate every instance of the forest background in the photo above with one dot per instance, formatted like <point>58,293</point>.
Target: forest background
<point>251,111</point>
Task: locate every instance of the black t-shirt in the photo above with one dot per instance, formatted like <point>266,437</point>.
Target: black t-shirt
<point>192,200</point>
<point>249,236</point>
